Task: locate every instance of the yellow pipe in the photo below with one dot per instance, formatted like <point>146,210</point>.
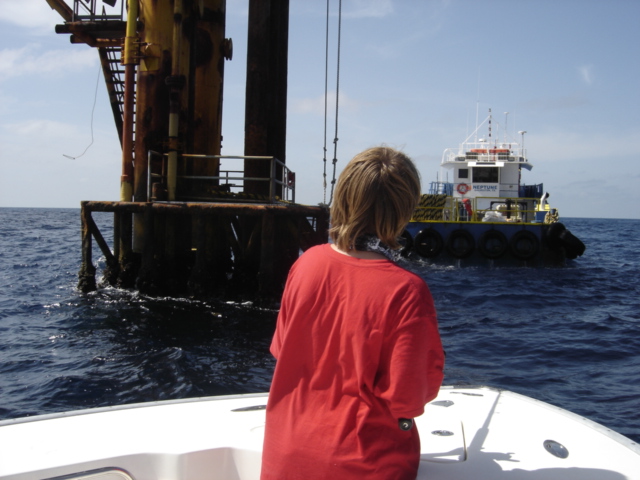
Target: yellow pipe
<point>131,53</point>
<point>130,58</point>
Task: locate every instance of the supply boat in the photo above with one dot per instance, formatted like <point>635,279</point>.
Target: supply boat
<point>466,432</point>
<point>483,211</point>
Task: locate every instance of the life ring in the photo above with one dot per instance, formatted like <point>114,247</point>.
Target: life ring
<point>428,243</point>
<point>460,243</point>
<point>463,188</point>
<point>406,241</point>
<point>524,245</point>
<point>493,244</point>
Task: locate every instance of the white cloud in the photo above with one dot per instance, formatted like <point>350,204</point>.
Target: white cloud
<point>368,8</point>
<point>40,141</point>
<point>551,147</point>
<point>42,129</point>
<point>316,105</point>
<point>586,73</point>
<point>33,60</point>
<point>51,144</point>
<point>38,16</point>
<point>34,14</point>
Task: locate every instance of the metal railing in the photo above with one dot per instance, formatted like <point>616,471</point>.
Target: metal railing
<point>482,152</point>
<point>519,210</point>
<point>225,178</point>
<point>86,10</point>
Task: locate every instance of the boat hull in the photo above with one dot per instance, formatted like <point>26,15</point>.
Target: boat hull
<point>535,243</point>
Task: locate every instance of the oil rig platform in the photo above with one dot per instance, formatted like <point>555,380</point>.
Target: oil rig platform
<point>189,220</point>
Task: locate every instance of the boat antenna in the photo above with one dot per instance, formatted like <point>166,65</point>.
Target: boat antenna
<point>335,139</point>
<point>477,105</point>
<point>506,119</point>
<point>489,127</point>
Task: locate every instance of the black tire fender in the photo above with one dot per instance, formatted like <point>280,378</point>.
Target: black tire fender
<point>428,243</point>
<point>552,235</point>
<point>406,240</point>
<point>524,245</point>
<point>573,246</point>
<point>493,244</point>
<point>460,243</point>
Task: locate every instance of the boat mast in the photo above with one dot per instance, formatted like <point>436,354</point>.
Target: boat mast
<point>506,119</point>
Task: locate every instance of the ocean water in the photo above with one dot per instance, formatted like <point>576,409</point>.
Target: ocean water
<point>567,335</point>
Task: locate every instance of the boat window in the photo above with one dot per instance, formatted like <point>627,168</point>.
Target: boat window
<point>486,175</point>
<point>463,173</point>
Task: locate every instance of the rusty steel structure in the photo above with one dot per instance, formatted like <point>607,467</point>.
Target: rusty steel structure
<point>183,225</point>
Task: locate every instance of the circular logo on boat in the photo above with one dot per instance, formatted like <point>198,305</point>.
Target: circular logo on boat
<point>463,188</point>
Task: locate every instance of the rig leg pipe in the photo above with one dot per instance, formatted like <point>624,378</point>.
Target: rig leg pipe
<point>130,59</point>
<point>174,106</point>
<point>87,274</point>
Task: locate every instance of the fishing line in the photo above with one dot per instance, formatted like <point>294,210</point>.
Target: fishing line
<point>95,98</point>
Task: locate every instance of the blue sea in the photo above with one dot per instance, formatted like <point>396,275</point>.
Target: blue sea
<point>566,335</point>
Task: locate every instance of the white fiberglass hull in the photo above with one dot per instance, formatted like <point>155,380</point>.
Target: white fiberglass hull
<point>470,432</point>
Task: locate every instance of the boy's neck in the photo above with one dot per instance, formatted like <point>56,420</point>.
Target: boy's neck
<point>362,254</point>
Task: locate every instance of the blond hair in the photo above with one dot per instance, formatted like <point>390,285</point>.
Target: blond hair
<point>376,193</point>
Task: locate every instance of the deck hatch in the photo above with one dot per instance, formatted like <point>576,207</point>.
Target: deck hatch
<point>556,449</point>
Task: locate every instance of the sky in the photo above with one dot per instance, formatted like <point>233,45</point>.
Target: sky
<point>413,74</point>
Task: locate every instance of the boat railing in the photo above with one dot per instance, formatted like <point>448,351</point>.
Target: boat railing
<point>483,153</point>
<point>441,188</point>
<point>228,184</point>
<point>488,209</point>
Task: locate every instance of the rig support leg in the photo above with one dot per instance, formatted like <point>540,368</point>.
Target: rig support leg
<point>87,274</point>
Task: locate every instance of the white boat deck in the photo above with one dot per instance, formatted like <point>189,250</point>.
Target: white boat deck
<point>476,433</point>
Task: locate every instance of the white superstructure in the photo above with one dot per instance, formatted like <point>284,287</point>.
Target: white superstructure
<point>485,172</point>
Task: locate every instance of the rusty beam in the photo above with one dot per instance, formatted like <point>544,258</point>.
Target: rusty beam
<point>207,208</point>
<point>62,8</point>
<point>77,38</point>
<point>95,232</point>
<point>108,29</point>
<point>192,247</point>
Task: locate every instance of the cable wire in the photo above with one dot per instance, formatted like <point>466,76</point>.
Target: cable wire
<point>326,83</point>
<point>95,98</point>
<point>335,139</point>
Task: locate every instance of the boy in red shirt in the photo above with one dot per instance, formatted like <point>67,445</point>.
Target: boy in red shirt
<point>356,342</point>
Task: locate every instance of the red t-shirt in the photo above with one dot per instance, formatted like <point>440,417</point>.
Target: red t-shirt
<point>357,348</point>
